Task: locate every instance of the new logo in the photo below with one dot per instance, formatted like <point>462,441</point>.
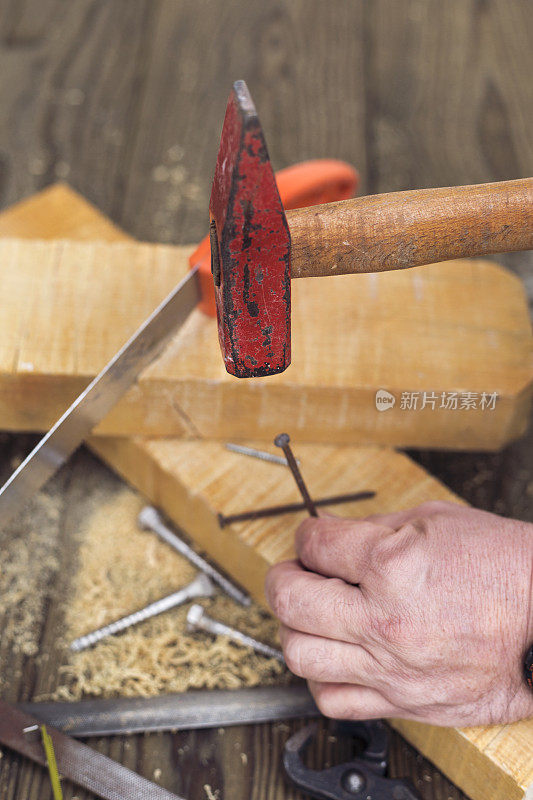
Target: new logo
<point>384,400</point>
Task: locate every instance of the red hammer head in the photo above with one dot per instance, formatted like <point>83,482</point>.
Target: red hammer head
<point>250,248</point>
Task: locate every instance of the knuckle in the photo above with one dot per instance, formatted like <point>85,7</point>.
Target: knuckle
<point>307,537</point>
<point>377,556</point>
<point>312,539</point>
<point>277,588</point>
<point>394,555</point>
<point>388,628</point>
<point>305,659</point>
<point>292,650</point>
<point>324,701</point>
<point>319,662</point>
<point>386,554</point>
<point>347,607</point>
<point>280,595</point>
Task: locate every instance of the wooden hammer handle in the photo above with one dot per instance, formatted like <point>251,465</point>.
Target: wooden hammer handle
<point>405,229</point>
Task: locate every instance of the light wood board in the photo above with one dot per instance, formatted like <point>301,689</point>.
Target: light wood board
<point>460,327</point>
<point>193,480</point>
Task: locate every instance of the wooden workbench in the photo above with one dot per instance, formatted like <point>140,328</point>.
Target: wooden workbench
<point>125,101</point>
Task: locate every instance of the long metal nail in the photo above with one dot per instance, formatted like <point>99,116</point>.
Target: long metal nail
<point>289,508</point>
<point>262,455</point>
<point>150,519</point>
<point>282,440</point>
<point>201,586</point>
<point>198,620</point>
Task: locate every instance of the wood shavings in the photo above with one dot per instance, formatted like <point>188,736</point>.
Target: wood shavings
<point>210,794</point>
<point>121,569</point>
<point>28,565</point>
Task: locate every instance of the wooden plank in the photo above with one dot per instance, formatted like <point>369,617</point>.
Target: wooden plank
<point>58,338</point>
<point>456,327</point>
<point>194,481</point>
<point>106,94</point>
<point>71,80</point>
<point>66,212</point>
<point>180,476</point>
<point>430,127</point>
<point>173,152</point>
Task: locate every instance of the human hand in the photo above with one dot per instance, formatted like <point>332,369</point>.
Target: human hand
<point>424,614</point>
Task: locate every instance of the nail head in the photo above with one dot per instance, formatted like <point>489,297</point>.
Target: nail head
<point>148,517</point>
<point>194,615</point>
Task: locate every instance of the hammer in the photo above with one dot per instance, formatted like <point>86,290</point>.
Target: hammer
<point>256,248</point>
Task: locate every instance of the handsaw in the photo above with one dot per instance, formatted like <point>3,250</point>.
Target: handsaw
<point>77,762</point>
<point>99,397</point>
<point>300,185</point>
<point>180,711</point>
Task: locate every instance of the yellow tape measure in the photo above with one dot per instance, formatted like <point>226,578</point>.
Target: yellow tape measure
<point>52,764</point>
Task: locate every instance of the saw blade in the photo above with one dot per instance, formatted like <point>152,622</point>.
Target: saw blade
<point>77,762</point>
<point>99,397</point>
<point>194,709</point>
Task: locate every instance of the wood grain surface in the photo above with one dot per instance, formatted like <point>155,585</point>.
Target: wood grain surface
<point>352,337</point>
<point>178,477</point>
<point>125,100</point>
<point>406,229</point>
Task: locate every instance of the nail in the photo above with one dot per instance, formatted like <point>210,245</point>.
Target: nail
<point>198,620</point>
<point>32,733</point>
<point>262,455</point>
<point>150,519</point>
<point>30,729</point>
<point>289,508</point>
<point>282,440</point>
<point>201,586</point>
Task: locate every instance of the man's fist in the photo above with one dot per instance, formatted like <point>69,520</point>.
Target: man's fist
<point>425,614</point>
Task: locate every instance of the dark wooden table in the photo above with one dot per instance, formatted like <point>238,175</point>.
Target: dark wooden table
<point>124,99</point>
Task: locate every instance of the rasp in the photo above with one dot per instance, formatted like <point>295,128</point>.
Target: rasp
<point>99,397</point>
<point>77,762</point>
<point>194,709</point>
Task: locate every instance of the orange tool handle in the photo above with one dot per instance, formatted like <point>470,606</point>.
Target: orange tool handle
<point>307,184</point>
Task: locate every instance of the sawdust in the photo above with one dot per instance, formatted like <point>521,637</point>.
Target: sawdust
<point>24,589</point>
<point>121,569</point>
